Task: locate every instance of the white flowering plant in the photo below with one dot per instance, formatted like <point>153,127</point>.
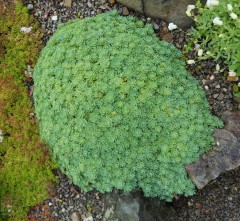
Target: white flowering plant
<point>217,30</point>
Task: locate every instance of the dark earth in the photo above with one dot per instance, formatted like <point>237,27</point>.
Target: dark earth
<point>218,201</point>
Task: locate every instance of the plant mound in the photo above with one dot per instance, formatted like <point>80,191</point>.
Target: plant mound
<point>118,108</point>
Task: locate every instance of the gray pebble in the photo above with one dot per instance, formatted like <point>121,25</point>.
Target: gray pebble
<point>125,11</point>
<point>155,25</point>
<point>220,97</point>
<point>89,4</point>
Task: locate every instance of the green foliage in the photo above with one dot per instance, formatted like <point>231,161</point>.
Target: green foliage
<point>118,108</point>
<point>14,44</point>
<point>25,167</point>
<point>219,40</point>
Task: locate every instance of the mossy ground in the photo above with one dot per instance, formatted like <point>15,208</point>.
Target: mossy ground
<point>25,166</point>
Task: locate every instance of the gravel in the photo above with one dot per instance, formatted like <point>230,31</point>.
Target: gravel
<point>218,201</point>
<point>68,202</point>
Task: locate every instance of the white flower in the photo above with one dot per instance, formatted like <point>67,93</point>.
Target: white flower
<point>26,29</point>
<point>211,3</point>
<point>190,62</point>
<point>217,21</point>
<point>54,18</point>
<point>171,26</point>
<point>232,73</point>
<point>221,35</point>
<point>229,7</point>
<point>188,13</point>
<point>200,52</point>
<point>233,16</point>
<point>190,7</point>
<point>217,67</point>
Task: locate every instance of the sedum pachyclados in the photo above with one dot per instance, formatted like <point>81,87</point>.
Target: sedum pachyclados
<point>118,108</point>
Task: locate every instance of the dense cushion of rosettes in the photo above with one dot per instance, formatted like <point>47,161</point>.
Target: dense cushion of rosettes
<point>118,108</point>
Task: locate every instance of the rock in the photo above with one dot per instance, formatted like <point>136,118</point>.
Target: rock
<point>134,4</point>
<point>75,216</point>
<point>169,10</point>
<point>155,25</point>
<point>167,37</point>
<point>55,18</point>
<point>232,122</point>
<point>90,218</point>
<point>220,97</point>
<point>125,11</point>
<point>89,4</point>
<point>135,207</point>
<point>68,3</point>
<point>215,95</point>
<point>212,77</point>
<point>30,6</point>
<point>223,157</point>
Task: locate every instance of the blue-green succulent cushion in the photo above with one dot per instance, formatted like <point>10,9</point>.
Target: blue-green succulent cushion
<point>118,108</point>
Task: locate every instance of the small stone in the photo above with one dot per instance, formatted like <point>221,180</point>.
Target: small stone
<point>212,77</point>
<point>206,87</point>
<point>218,86</point>
<point>30,6</point>
<point>50,204</point>
<point>215,95</point>
<point>149,19</point>
<point>225,89</point>
<point>204,81</point>
<point>54,18</point>
<point>125,11</point>
<point>167,37</point>
<point>198,205</point>
<point>90,218</point>
<point>155,25</point>
<point>230,198</point>
<point>232,78</point>
<point>75,216</point>
<point>89,4</point>
<point>68,3</point>
<point>220,97</point>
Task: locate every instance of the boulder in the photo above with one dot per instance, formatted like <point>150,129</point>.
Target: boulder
<point>223,157</point>
<point>169,10</point>
<point>232,122</point>
<point>135,207</point>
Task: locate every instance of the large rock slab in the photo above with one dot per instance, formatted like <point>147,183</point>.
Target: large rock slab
<point>134,207</point>
<point>137,5</point>
<point>223,157</point>
<point>168,10</point>
<point>232,122</point>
